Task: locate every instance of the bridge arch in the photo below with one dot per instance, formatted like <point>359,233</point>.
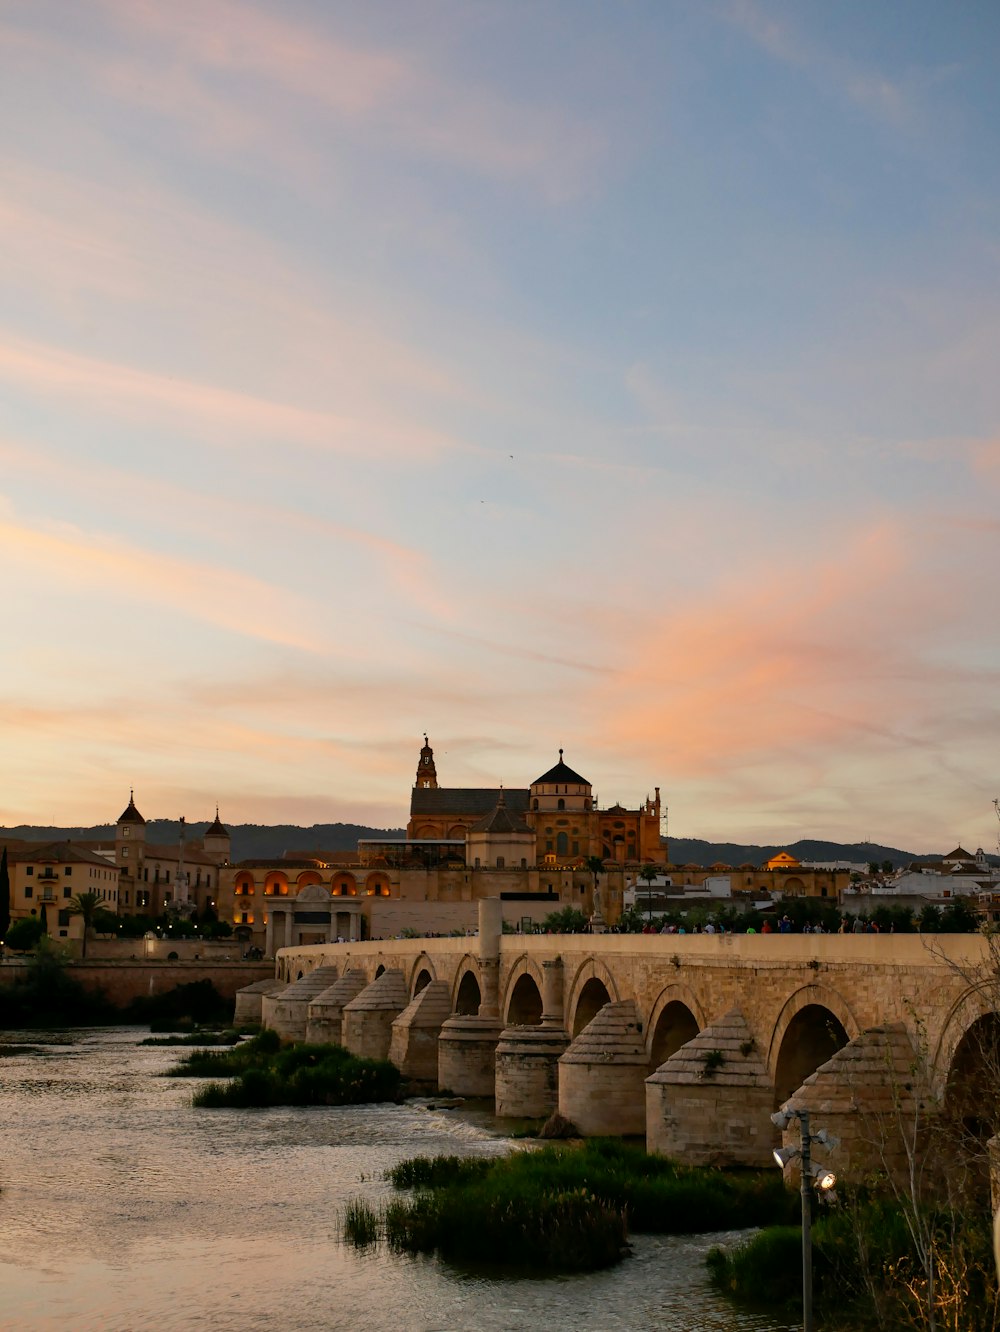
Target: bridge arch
<point>467,993</point>
<point>814,1023</point>
<point>522,1005</point>
<point>974,1004</point>
<point>591,988</point>
<point>421,975</point>
<point>677,1017</point>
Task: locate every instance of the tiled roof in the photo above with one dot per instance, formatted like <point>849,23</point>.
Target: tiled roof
<point>131,814</point>
<point>477,800</point>
<point>501,820</point>
<point>61,853</point>
<point>217,829</point>
<point>561,773</point>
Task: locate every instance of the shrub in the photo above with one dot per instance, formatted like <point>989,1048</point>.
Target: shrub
<point>24,934</point>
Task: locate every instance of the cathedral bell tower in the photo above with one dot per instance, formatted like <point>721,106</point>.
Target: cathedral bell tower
<point>426,772</point>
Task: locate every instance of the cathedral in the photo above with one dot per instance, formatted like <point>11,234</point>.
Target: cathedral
<point>556,817</point>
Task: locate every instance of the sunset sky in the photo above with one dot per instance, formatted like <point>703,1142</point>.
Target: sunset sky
<point>619,377</point>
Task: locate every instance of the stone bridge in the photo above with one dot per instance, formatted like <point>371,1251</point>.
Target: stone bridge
<point>691,1039</point>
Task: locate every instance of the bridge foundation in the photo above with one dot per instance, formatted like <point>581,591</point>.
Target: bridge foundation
<point>325,1015</point>
<point>368,1018</point>
<point>413,1045</point>
<point>602,1075</point>
<point>286,1010</point>
<point>710,1103</point>
<point>249,1002</point>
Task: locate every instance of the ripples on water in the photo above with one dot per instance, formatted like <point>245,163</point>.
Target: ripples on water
<point>123,1208</point>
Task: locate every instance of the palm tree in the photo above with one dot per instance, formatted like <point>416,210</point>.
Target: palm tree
<point>648,874</point>
<point>86,906</point>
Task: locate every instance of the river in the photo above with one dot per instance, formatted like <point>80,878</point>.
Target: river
<point>123,1208</point>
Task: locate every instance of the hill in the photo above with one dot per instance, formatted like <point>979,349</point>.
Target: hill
<point>250,841</point>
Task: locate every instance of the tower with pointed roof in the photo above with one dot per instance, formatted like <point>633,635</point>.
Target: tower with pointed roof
<point>217,841</point>
<point>130,839</point>
<point>426,771</point>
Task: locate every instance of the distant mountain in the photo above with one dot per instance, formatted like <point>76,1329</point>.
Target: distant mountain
<point>694,851</point>
<point>250,841</point>
<point>261,841</point>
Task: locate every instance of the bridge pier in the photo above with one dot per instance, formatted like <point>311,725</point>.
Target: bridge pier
<point>602,1075</point>
<point>249,1002</point>
<point>368,1018</point>
<point>710,1103</point>
<point>286,1010</point>
<point>413,1045</point>
<point>527,1058</point>
<point>872,1095</point>
<point>325,1015</point>
<point>467,1044</point>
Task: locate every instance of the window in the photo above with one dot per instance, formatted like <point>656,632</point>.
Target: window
<point>29,890</point>
<point>576,848</point>
<point>63,919</point>
<point>534,804</point>
<point>67,891</point>
<point>560,804</point>
<point>67,870</point>
<point>126,831</point>
<point>126,899</point>
<point>29,870</point>
<point>142,899</point>
<point>562,845</point>
<point>499,862</point>
<point>124,853</point>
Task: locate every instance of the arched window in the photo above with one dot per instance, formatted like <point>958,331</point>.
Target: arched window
<point>561,804</point>
<point>562,844</point>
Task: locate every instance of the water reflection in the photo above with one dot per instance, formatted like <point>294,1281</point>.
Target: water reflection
<point>125,1208</point>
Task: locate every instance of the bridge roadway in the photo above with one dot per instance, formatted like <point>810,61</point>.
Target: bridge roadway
<point>789,1003</point>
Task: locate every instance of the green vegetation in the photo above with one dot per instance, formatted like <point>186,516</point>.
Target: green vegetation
<point>867,1270</point>
<point>560,1208</point>
<point>265,1073</point>
<point>49,996</point>
<point>24,934</point>
<point>567,921</point>
<point>182,1008</point>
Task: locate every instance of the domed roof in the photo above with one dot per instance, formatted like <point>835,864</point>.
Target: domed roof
<point>131,814</point>
<point>561,773</point>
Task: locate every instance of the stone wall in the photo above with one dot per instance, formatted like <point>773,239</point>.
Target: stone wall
<point>127,980</point>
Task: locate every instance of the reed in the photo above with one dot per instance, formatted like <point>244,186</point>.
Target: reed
<point>303,1075</point>
<point>564,1208</point>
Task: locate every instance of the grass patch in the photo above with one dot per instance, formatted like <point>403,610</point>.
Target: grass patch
<point>866,1271</point>
<point>564,1208</point>
<point>263,1072</point>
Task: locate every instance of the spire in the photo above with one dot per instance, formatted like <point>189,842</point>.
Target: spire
<point>130,814</point>
<point>426,772</point>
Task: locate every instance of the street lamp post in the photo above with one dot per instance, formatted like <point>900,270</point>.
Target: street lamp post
<point>825,1179</point>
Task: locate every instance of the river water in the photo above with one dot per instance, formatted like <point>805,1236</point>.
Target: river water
<point>124,1208</point>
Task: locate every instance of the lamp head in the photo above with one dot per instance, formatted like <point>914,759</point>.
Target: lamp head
<point>782,1118</point>
<point>785,1155</point>
<point>824,1179</point>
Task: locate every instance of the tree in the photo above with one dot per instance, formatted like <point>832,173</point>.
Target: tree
<point>86,906</point>
<point>4,895</point>
<point>567,921</point>
<point>24,933</point>
<point>647,874</point>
